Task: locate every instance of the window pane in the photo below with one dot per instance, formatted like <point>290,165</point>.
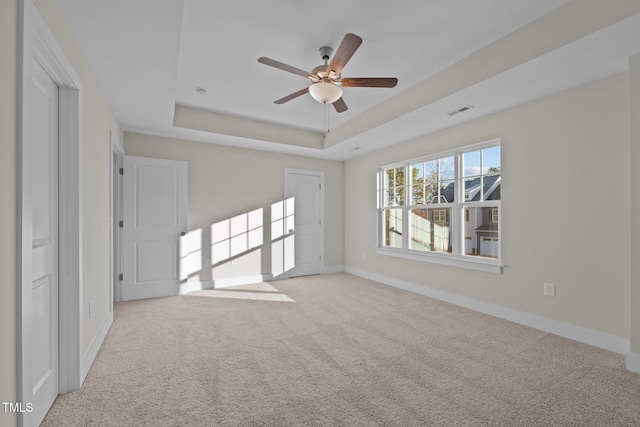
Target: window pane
<point>471,164</point>
<point>399,196</point>
<point>417,195</point>
<point>392,228</point>
<point>491,187</point>
<point>431,171</point>
<point>417,173</point>
<point>471,190</point>
<point>481,232</point>
<point>447,192</point>
<point>447,168</point>
<point>399,176</point>
<point>389,178</point>
<point>430,230</point>
<point>388,197</point>
<point>491,160</point>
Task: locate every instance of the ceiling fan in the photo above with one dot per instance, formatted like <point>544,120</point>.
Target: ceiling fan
<point>326,80</point>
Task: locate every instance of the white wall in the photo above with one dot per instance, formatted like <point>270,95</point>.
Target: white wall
<point>97,121</point>
<point>8,202</point>
<point>565,209</point>
<point>226,181</point>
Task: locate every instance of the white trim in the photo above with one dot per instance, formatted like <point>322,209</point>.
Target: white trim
<point>444,259</point>
<point>633,362</point>
<point>577,333</point>
<point>115,204</point>
<point>37,42</point>
<point>92,352</point>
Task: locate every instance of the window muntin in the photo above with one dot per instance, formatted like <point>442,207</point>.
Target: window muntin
<point>448,205</point>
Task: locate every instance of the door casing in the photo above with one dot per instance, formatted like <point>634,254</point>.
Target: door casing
<point>36,41</point>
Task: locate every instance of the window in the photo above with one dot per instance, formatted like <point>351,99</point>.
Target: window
<point>443,208</point>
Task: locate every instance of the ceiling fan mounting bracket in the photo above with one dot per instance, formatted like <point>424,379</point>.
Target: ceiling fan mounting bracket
<point>325,52</point>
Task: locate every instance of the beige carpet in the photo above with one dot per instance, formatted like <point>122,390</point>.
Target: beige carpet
<point>339,350</point>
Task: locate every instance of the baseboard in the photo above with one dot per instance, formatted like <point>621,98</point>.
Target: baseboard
<point>195,286</point>
<point>90,355</point>
<point>633,362</point>
<point>566,330</point>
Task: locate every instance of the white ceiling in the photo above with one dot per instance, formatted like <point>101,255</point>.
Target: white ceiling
<point>151,55</point>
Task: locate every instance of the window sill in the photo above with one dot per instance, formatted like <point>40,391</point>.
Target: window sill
<point>488,266</point>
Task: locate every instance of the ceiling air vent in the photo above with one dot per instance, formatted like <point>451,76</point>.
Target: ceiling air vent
<point>460,110</point>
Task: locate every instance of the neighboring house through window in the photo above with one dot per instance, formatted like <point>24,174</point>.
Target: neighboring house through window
<point>443,207</point>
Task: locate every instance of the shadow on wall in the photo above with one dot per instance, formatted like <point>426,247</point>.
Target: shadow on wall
<point>241,246</point>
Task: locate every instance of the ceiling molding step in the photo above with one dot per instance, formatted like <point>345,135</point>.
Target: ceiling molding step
<point>572,21</point>
<point>226,124</point>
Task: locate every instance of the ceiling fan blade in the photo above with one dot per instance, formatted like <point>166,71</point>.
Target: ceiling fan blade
<point>292,96</point>
<point>340,106</point>
<point>368,82</point>
<point>345,51</point>
<point>285,67</point>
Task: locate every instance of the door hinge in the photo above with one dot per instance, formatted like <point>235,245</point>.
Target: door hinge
<point>320,257</point>
<point>121,276</point>
<point>121,224</point>
<point>320,186</point>
<point>320,221</point>
<point>121,171</point>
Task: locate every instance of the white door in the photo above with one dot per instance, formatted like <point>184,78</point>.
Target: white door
<point>43,174</point>
<point>306,190</point>
<point>155,214</point>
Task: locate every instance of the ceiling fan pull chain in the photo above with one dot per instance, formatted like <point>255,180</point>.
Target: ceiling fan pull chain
<point>327,115</point>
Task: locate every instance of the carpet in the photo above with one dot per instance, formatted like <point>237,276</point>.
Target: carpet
<point>339,350</point>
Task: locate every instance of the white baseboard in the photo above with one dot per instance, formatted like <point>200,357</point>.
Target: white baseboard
<point>633,362</point>
<point>90,355</point>
<point>566,330</point>
<point>195,286</point>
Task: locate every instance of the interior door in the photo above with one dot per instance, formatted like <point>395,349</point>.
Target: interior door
<point>155,214</point>
<point>306,190</point>
<point>43,174</point>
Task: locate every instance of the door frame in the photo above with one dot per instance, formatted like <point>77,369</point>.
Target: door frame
<point>116,203</point>
<point>287,192</point>
<point>36,41</point>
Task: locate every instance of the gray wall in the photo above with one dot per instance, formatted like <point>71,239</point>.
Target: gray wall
<point>227,181</point>
<point>565,209</point>
<point>8,206</point>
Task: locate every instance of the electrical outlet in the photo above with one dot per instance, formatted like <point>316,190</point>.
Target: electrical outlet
<point>550,289</point>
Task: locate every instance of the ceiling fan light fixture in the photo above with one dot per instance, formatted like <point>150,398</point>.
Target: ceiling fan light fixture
<point>325,92</point>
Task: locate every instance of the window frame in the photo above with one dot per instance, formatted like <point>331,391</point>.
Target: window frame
<point>457,219</point>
